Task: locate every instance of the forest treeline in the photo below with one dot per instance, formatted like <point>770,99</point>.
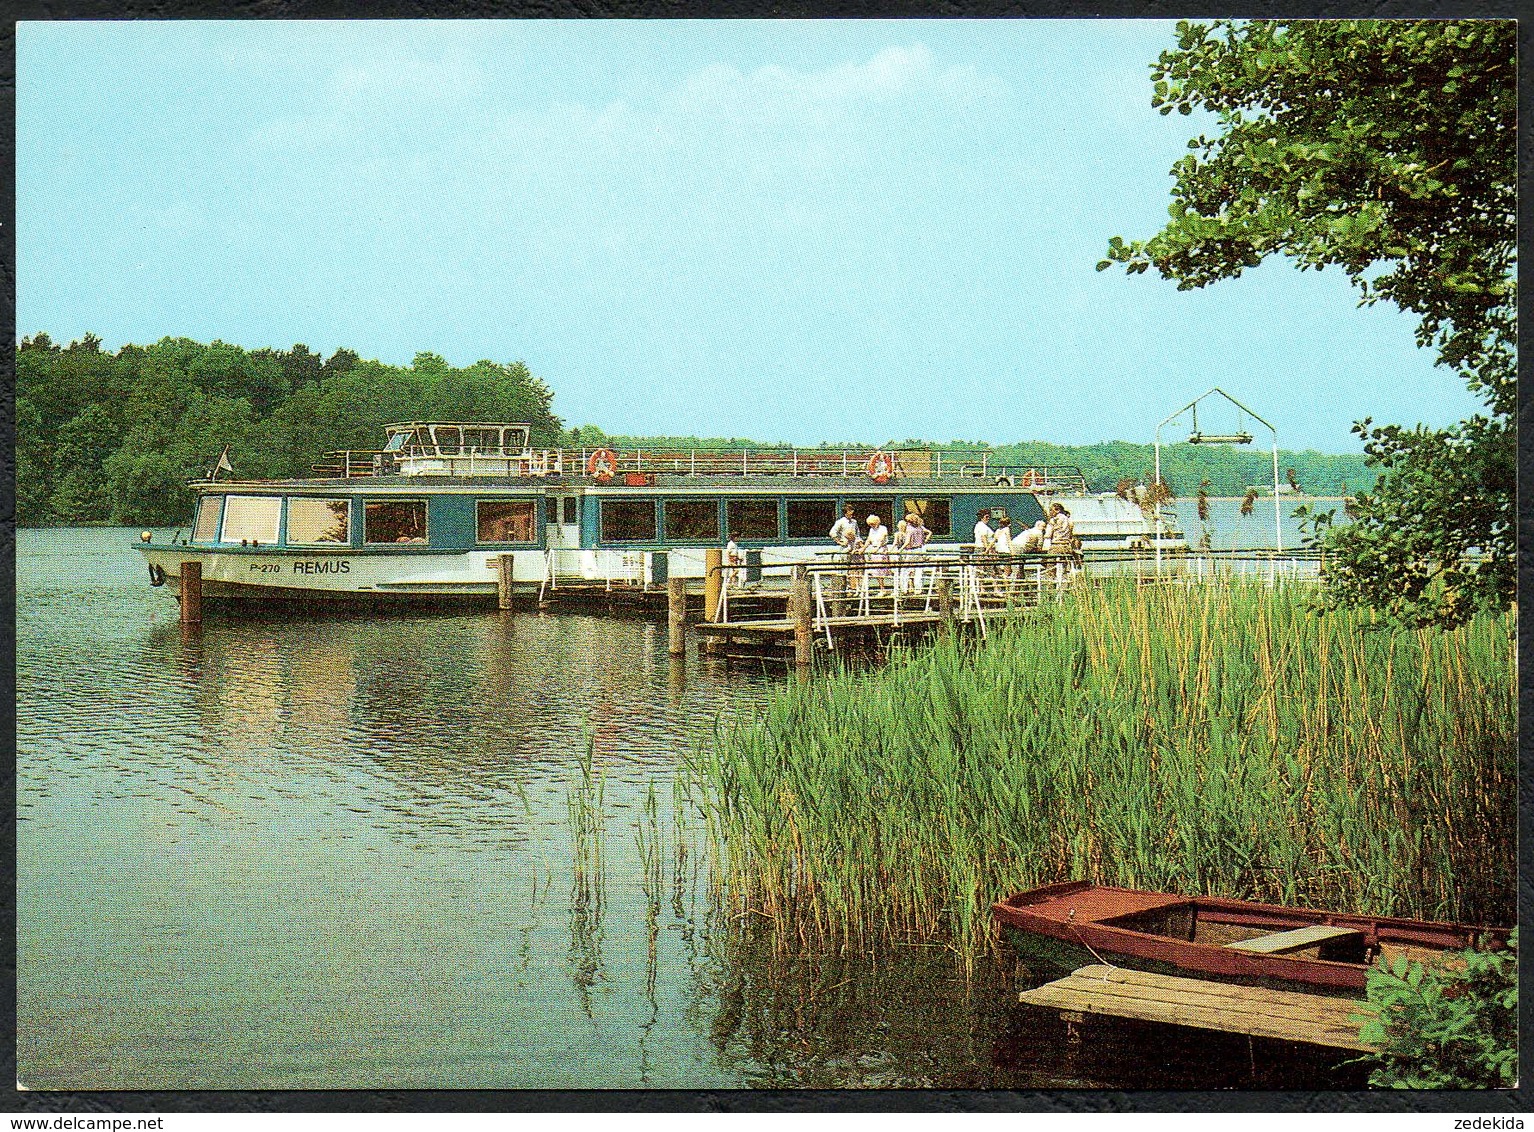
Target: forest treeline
<point>114,437</point>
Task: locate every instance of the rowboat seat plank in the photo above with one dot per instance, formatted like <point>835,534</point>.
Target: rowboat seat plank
<point>1322,1020</point>
<point>1297,939</point>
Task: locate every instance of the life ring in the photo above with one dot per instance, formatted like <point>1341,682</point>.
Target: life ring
<point>880,467</point>
<point>1032,478</point>
<point>602,465</point>
<point>156,575</point>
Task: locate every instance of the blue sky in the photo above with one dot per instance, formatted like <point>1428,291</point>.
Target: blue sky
<point>794,231</point>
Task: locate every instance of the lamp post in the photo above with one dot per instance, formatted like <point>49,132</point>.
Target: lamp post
<point>1242,437</point>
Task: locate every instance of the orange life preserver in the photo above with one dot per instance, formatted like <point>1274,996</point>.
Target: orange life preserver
<point>1032,478</point>
<point>880,467</point>
<point>602,465</point>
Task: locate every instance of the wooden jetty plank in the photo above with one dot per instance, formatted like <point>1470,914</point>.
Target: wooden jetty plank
<point>1198,995</point>
<point>849,621</point>
<point>785,626</point>
<point>1227,1017</point>
<point>1257,1011</point>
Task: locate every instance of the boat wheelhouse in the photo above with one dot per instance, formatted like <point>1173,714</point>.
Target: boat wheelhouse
<point>429,516</point>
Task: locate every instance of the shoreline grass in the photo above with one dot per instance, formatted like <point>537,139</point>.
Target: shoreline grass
<point>1215,740</point>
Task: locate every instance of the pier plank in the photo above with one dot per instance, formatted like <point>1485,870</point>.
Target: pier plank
<point>1203,1004</point>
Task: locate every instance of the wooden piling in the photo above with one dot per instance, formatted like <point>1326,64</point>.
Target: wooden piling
<point>713,581</point>
<point>799,608</point>
<point>503,580</point>
<point>191,593</point>
<point>676,615</point>
<point>945,605</point>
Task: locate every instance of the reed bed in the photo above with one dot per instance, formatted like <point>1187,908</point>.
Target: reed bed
<point>1222,739</point>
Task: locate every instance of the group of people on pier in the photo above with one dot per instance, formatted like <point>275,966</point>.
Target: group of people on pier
<point>1054,535</point>
<point>874,548</point>
<point>892,560</point>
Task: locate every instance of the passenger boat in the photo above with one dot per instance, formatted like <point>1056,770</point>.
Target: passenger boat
<point>427,518</point>
<point>1231,939</point>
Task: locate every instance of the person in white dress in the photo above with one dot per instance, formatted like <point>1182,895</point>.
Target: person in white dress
<point>876,545</point>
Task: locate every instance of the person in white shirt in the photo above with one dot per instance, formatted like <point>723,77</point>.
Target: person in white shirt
<point>985,538</point>
<point>844,533</point>
<point>1030,541</point>
<point>735,558</point>
<point>1003,527</point>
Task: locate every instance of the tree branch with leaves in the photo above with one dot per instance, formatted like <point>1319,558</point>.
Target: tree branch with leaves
<point>1386,149</point>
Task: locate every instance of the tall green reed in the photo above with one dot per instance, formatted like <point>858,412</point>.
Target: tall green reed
<point>1222,739</point>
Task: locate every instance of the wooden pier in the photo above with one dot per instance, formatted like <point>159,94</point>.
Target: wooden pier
<point>829,606</point>
<point>1314,1019</point>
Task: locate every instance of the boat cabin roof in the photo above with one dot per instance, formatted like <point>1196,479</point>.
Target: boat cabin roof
<point>453,437</point>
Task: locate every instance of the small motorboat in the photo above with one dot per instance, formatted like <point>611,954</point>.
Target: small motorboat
<point>1232,939</point>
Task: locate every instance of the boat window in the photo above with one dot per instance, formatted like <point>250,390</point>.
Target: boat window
<point>486,440</point>
<point>936,514</point>
<point>448,440</point>
<point>396,442</point>
<point>884,508</point>
<point>313,521</point>
<point>626,520</point>
<point>811,518</point>
<point>753,518</point>
<point>206,527</point>
<point>506,520</point>
<point>516,439</point>
<point>251,518</point>
<point>692,520</point>
<point>570,516</point>
<point>394,520</point>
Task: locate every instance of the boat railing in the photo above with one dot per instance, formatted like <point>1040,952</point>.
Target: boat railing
<point>347,464</point>
<point>903,463</point>
<point>879,464</point>
<point>414,460</point>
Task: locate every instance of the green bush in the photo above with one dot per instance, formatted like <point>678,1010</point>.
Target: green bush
<point>1453,1025</point>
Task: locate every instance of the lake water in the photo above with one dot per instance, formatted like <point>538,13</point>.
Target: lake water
<point>338,853</point>
<point>1228,529</point>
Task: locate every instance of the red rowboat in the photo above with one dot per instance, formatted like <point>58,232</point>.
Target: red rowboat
<point>1232,939</point>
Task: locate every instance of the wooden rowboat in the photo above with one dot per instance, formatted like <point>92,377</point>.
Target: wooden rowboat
<point>1231,939</point>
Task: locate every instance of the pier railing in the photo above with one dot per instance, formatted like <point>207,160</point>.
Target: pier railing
<point>899,588</point>
<point>968,585</point>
